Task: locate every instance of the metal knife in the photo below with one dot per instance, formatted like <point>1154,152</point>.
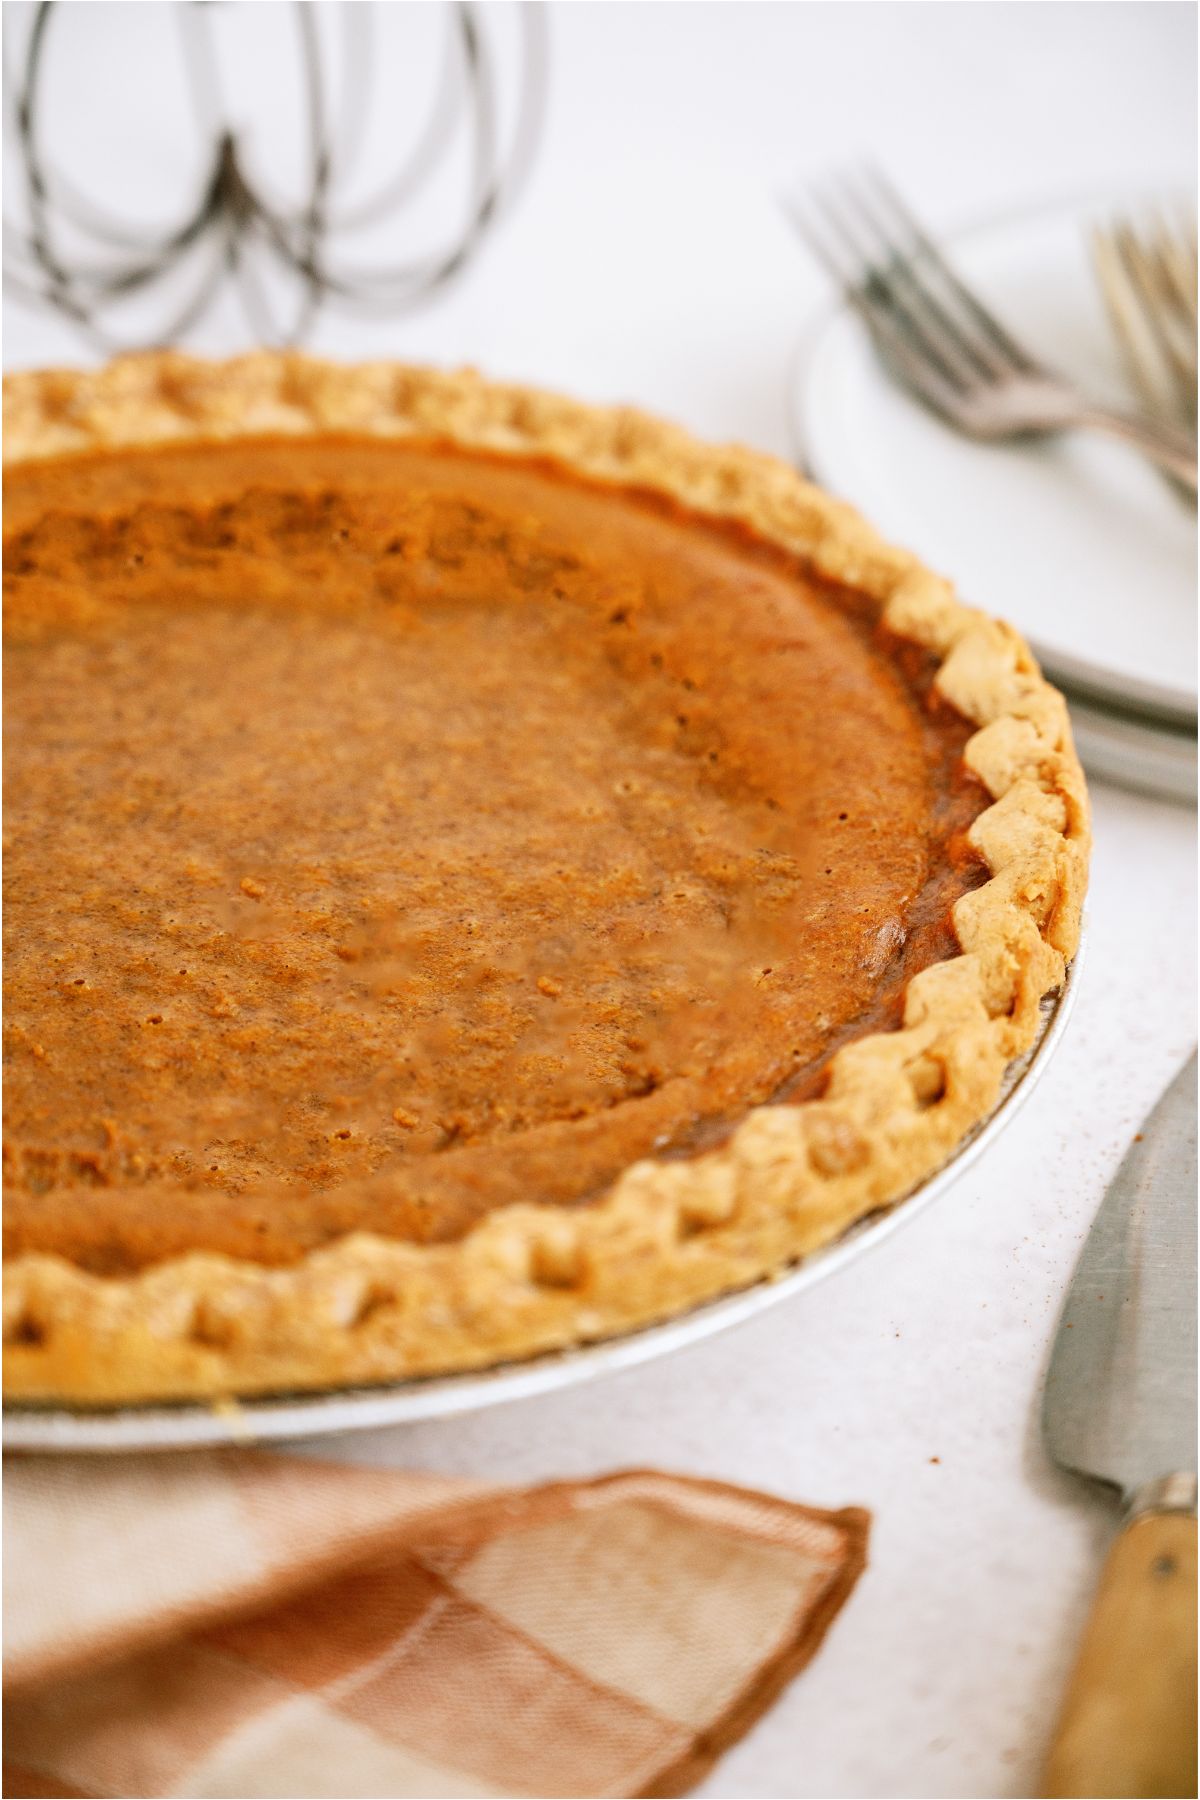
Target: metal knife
<point>1120,1406</point>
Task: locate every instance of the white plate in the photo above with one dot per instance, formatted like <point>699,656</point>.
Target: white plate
<point>1124,748</point>
<point>1075,539</point>
<point>294,1416</point>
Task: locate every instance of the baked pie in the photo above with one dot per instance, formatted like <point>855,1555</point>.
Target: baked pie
<point>485,873</point>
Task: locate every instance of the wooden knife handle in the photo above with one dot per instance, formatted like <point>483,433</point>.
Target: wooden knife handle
<point>1128,1724</point>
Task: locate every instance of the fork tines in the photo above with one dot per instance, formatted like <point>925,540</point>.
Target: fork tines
<point>1148,278</point>
<point>888,266</point>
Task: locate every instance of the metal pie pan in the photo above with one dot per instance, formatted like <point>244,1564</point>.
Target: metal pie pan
<point>189,1425</point>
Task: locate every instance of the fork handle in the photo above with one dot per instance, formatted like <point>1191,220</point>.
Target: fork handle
<point>1172,450</point>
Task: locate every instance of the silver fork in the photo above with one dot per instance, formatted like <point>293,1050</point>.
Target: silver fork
<point>1148,279</point>
<point>939,337</point>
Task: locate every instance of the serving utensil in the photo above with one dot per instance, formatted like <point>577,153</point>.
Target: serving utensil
<point>1120,1407</point>
<point>941,340</point>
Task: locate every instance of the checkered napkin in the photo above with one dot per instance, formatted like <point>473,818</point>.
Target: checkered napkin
<point>237,1624</point>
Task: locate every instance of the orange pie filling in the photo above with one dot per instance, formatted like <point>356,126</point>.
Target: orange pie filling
<point>395,833</point>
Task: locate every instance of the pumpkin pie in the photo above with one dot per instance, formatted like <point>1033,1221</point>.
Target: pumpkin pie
<point>485,873</point>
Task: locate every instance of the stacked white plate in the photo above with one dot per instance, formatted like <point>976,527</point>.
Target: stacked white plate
<point>1077,540</point>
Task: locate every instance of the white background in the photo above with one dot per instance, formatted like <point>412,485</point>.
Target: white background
<point>648,261</point>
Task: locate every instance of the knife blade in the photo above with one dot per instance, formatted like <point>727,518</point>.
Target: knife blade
<point>1120,1402</point>
<point>1120,1406</point>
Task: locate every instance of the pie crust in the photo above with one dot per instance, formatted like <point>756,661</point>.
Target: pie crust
<point>671,1233</point>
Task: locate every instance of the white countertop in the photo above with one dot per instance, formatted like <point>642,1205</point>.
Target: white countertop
<point>647,261</point>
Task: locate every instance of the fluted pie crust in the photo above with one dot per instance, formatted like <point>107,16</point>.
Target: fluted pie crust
<point>669,1232</point>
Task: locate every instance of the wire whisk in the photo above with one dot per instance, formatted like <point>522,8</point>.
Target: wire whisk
<point>79,257</point>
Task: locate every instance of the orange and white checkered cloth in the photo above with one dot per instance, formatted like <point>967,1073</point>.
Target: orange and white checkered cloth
<point>228,1623</point>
